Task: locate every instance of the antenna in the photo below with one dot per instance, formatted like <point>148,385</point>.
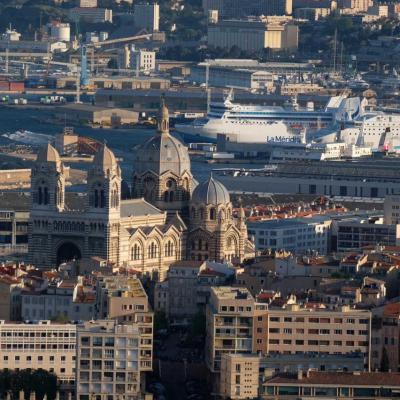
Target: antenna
<point>334,51</point>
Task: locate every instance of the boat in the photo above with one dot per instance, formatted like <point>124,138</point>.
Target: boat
<point>358,83</point>
<point>261,124</point>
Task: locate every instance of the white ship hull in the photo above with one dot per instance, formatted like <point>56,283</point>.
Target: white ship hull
<point>243,131</point>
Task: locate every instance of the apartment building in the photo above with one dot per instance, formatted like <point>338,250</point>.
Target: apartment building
<point>67,299</point>
<point>391,209</point>
<point>125,300</point>
<point>239,376</point>
<point>111,359</point>
<point>332,385</point>
<point>229,324</point>
<point>298,235</point>
<point>297,329</point>
<point>46,345</point>
<point>357,233</point>
<point>254,34</point>
<point>242,375</point>
<point>237,324</point>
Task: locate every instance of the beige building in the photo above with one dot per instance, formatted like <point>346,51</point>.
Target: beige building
<point>229,317</point>
<point>312,14</point>
<point>111,361</point>
<point>239,376</point>
<point>237,324</point>
<point>46,345</point>
<point>318,331</point>
<point>356,5</point>
<point>254,34</point>
<point>97,115</point>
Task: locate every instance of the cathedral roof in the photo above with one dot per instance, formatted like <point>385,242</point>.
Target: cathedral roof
<point>162,153</point>
<point>211,191</point>
<point>48,154</point>
<point>138,207</point>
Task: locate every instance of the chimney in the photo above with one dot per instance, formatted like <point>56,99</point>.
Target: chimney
<point>299,375</point>
<point>308,373</point>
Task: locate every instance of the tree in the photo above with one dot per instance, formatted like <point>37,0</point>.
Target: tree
<point>384,361</point>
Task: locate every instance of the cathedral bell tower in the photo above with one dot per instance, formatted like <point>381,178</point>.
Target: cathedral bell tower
<point>48,181</point>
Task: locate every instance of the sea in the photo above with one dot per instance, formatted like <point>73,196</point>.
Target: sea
<point>29,126</point>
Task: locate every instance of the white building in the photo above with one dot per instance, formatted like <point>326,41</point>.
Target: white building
<point>60,32</point>
<point>92,15</point>
<point>142,60</point>
<point>11,35</point>
<point>45,345</point>
<point>299,235</point>
<point>87,3</point>
<point>147,16</point>
<point>240,78</point>
<point>111,359</point>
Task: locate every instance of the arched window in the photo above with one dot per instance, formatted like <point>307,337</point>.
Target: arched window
<point>200,244</point>
<point>202,214</point>
<point>102,199</point>
<point>212,213</point>
<point>135,252</point>
<point>166,196</point>
<point>193,212</point>
<point>40,195</point>
<point>193,245</point>
<point>46,196</point>
<point>171,196</point>
<point>152,250</point>
<point>169,249</point>
<point>96,198</point>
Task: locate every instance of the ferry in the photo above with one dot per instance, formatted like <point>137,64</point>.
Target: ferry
<point>261,124</point>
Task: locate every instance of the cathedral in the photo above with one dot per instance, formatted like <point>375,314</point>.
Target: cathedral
<point>170,216</point>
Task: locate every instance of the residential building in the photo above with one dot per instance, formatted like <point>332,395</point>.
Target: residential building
<point>353,234</point>
<point>392,209</point>
<point>229,316</point>
<point>239,376</point>
<point>312,14</point>
<point>254,34</point>
<point>187,288</point>
<point>301,329</point>
<point>237,9</point>
<point>64,299</point>
<point>298,235</point>
<point>147,16</point>
<point>386,337</point>
<point>10,299</point>
<point>340,385</point>
<point>242,375</point>
<point>14,223</point>
<point>356,5</point>
<point>87,3</point>
<point>46,345</point>
<point>111,360</point>
<point>380,10</point>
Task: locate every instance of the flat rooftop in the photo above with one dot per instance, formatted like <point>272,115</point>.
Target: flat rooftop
<point>232,293</point>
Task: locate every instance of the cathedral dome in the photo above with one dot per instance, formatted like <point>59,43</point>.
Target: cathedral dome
<point>48,154</point>
<point>105,158</point>
<point>211,191</point>
<point>162,153</point>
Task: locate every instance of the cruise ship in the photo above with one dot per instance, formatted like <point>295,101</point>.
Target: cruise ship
<point>261,124</point>
<point>377,130</point>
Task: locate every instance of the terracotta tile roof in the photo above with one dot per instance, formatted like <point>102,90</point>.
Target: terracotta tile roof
<point>341,378</point>
<point>392,309</point>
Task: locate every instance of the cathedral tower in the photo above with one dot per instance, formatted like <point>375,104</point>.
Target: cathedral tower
<point>48,181</point>
<point>162,169</point>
